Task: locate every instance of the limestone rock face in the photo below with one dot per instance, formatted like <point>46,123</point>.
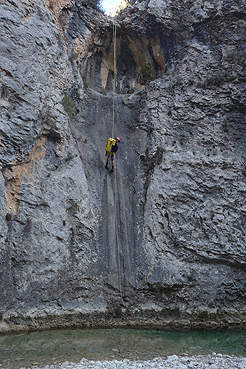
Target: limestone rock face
<point>163,238</point>
<point>46,217</point>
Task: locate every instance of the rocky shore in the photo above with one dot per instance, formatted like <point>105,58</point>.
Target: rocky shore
<point>214,361</point>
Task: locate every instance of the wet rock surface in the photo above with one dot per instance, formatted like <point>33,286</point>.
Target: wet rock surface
<point>166,233</point>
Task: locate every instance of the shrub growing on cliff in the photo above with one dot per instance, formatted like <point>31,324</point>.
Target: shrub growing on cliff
<point>97,4</point>
<point>146,74</point>
<point>160,149</point>
<point>68,104</point>
<point>132,2</point>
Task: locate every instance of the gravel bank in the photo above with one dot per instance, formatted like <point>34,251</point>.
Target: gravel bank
<point>214,361</point>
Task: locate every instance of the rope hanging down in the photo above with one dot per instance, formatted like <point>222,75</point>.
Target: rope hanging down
<point>115,120</point>
<point>114,84</point>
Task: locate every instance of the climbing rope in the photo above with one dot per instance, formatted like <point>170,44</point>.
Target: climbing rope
<point>119,240</point>
<point>114,84</point>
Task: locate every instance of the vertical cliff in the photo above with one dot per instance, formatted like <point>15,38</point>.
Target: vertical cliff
<point>163,239</point>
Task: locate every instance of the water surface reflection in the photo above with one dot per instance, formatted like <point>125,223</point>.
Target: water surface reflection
<point>50,347</point>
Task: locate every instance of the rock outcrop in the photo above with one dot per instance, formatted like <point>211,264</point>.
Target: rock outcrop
<point>161,242</point>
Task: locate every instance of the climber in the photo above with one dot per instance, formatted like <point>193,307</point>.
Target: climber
<point>111,148</point>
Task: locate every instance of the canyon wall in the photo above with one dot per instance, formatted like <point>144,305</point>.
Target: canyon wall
<point>160,242</point>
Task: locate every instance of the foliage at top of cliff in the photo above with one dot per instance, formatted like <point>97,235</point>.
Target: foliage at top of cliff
<point>93,3</point>
<point>123,5</point>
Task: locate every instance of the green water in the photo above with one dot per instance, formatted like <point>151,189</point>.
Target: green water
<point>50,347</point>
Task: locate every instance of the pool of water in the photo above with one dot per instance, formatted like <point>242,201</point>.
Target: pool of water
<point>55,346</point>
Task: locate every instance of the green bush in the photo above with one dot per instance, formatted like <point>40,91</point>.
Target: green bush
<point>146,74</point>
<point>86,84</point>
<point>132,2</point>
<point>68,104</point>
<point>97,4</point>
<point>160,149</point>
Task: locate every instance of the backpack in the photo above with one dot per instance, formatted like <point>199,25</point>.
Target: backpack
<point>111,142</point>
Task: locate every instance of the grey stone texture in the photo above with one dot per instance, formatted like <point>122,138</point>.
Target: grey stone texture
<point>162,240</point>
<point>170,362</point>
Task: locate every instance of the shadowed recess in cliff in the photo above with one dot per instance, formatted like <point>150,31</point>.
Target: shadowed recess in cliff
<point>140,59</point>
